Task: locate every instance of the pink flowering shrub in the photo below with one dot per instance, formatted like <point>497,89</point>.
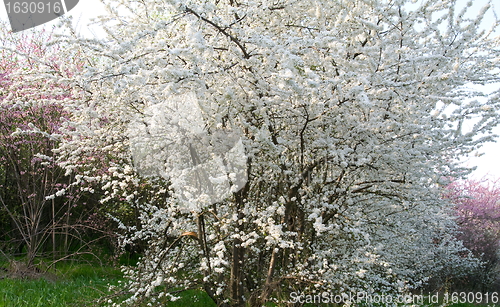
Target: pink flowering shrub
<point>478,210</point>
<point>41,204</point>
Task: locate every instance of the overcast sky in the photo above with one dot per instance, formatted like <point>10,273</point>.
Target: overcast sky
<point>487,165</point>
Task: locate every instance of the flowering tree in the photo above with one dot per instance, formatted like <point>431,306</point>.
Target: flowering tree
<point>478,208</point>
<point>37,197</point>
<point>313,151</point>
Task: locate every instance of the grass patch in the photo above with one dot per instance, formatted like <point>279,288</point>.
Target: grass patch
<point>192,298</point>
<point>71,285</point>
<point>83,285</point>
<point>77,285</point>
<point>41,292</point>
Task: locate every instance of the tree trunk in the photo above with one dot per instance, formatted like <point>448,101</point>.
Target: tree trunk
<point>237,274</point>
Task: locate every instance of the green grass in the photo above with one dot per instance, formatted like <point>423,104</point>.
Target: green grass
<point>78,285</point>
<point>192,298</point>
<point>38,293</point>
<point>76,292</point>
<point>82,285</point>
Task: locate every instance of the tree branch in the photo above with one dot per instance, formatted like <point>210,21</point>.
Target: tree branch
<point>246,55</point>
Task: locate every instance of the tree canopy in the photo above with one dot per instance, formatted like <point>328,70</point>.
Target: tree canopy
<point>348,117</point>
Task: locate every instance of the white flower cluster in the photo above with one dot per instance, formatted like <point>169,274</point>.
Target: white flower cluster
<point>349,115</point>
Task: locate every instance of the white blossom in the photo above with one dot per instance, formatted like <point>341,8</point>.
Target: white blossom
<point>324,131</point>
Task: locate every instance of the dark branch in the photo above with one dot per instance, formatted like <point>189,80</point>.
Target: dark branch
<point>246,55</point>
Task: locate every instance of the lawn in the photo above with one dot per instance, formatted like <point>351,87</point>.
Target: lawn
<point>76,285</point>
<point>82,285</point>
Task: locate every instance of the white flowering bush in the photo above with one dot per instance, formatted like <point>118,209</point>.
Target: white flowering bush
<point>347,117</point>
